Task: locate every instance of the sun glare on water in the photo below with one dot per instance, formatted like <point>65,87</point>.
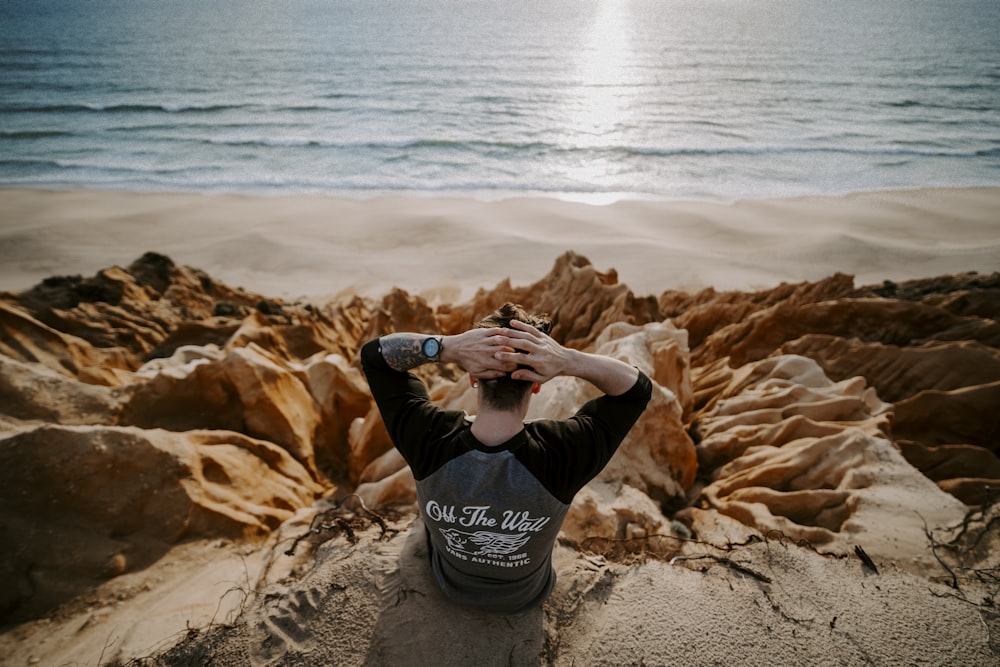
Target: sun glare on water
<point>598,106</point>
<point>603,71</point>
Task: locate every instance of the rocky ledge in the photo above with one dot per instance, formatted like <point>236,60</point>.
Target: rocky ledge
<point>149,405</point>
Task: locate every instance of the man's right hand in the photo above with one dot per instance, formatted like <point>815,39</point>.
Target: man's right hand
<point>547,359</point>
<point>476,352</point>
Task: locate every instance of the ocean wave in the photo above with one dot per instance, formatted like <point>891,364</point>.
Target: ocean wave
<point>169,108</point>
<point>132,168</point>
<point>119,108</point>
<point>786,150</point>
<point>403,144</point>
<point>267,142</point>
<point>32,134</point>
<point>509,148</point>
<point>951,105</point>
<point>27,165</point>
<point>170,126</point>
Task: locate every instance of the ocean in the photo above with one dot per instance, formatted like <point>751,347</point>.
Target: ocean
<point>590,100</point>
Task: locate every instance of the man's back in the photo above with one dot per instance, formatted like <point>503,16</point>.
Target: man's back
<point>493,512</point>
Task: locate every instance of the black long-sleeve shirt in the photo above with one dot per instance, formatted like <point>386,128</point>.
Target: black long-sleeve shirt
<point>493,513</point>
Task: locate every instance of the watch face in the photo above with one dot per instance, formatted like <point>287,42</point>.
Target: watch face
<point>431,348</point>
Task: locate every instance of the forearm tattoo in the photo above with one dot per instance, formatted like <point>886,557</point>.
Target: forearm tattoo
<point>402,351</point>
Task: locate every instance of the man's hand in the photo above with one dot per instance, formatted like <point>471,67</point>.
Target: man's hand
<point>476,351</point>
<point>547,359</point>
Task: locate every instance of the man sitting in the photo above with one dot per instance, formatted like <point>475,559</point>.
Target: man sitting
<point>493,491</point>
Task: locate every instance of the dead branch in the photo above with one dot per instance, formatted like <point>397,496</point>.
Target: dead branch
<point>728,562</point>
<point>802,542</point>
<point>377,518</point>
<point>977,514</point>
<point>345,526</point>
<point>333,522</point>
<point>930,537</point>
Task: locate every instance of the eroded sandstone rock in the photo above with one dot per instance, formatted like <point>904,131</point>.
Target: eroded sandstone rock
<point>657,457</point>
<point>967,415</point>
<point>898,372</point>
<point>341,394</point>
<point>811,404</point>
<point>581,301</point>
<point>793,454</point>
<point>83,503</point>
<point>24,338</point>
<point>32,391</point>
<point>249,391</point>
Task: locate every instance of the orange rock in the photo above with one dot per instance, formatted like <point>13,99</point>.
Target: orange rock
<point>581,301</point>
<point>710,311</point>
<point>657,457</point>
<point>388,464</point>
<point>24,338</point>
<point>965,416</point>
<point>340,392</point>
<point>368,441</point>
<point>899,372</point>
<point>886,320</point>
<point>134,308</point>
<point>248,391</point>
<point>87,502</point>
<point>784,389</point>
<point>155,306</point>
<point>399,311</point>
<point>34,392</point>
<point>617,513</point>
<point>663,351</point>
<point>397,489</point>
<point>277,406</point>
<point>967,472</point>
<point>795,454</point>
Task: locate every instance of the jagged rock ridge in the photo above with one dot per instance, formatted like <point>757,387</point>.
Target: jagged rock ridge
<point>152,404</point>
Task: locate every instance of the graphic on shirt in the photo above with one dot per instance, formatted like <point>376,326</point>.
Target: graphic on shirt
<point>489,544</point>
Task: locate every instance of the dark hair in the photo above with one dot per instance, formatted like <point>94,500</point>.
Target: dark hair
<point>505,393</point>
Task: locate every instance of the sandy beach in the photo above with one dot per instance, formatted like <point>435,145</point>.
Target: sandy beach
<point>445,249</point>
<point>791,496</point>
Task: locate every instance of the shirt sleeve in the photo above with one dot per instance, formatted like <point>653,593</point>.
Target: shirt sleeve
<point>414,423</point>
<point>573,452</point>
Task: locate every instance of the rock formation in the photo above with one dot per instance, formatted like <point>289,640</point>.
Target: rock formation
<point>151,404</point>
<point>84,503</point>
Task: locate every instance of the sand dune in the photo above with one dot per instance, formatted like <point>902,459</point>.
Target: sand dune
<point>317,246</point>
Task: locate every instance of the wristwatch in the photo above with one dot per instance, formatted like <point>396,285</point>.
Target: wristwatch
<point>432,347</point>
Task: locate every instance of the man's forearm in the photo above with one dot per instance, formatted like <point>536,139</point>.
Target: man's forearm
<point>403,351</point>
<point>612,376</point>
<point>474,351</point>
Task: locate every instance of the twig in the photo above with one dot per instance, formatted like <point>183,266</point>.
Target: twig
<point>804,543</point>
<point>375,516</point>
<point>346,527</point>
<point>930,536</point>
<point>977,514</point>
<point>722,560</point>
<point>589,542</point>
<point>979,610</point>
<point>329,521</point>
<point>107,642</point>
